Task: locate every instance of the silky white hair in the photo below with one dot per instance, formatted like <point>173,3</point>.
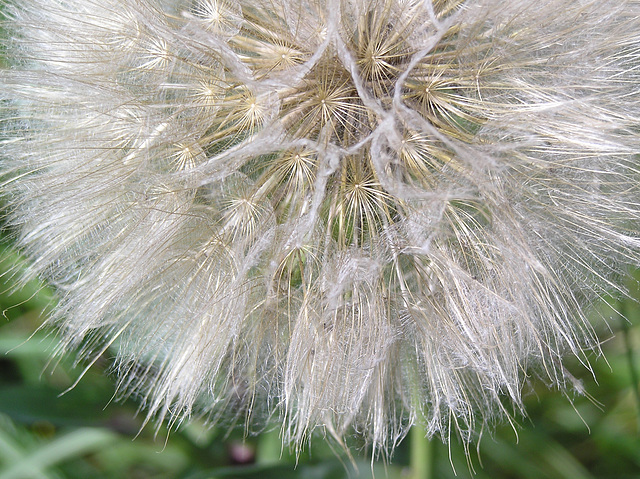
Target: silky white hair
<point>354,215</point>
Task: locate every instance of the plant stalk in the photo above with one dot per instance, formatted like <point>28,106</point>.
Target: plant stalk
<point>421,453</point>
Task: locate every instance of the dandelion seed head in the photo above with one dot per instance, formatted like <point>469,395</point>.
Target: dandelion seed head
<point>351,215</point>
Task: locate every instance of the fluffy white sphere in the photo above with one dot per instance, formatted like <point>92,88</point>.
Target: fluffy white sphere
<point>353,214</point>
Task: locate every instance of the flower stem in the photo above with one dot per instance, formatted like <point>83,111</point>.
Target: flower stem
<point>421,454</point>
<point>269,447</point>
<point>633,373</point>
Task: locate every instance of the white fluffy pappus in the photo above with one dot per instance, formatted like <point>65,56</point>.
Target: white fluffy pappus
<point>353,215</point>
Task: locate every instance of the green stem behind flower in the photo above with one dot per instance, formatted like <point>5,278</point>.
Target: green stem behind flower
<point>633,373</point>
<point>421,458</point>
<point>269,448</point>
<point>421,447</point>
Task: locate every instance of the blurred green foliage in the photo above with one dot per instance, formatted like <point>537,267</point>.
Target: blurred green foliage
<point>84,434</point>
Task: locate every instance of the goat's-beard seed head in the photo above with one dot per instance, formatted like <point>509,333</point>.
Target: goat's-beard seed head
<point>353,214</point>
